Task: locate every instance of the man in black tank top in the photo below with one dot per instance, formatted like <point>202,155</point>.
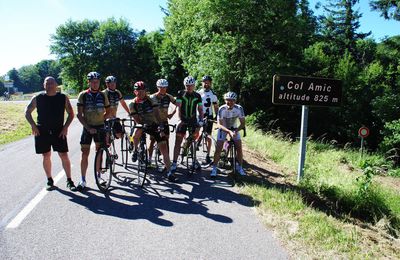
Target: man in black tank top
<point>50,129</point>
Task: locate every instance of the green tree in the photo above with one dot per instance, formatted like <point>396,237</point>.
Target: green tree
<point>390,9</point>
<point>14,76</point>
<point>30,79</point>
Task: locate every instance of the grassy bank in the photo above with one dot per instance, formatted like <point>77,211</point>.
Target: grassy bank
<point>341,209</point>
<point>13,125</point>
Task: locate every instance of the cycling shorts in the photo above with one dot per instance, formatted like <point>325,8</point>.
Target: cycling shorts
<point>221,136</point>
<point>87,137</point>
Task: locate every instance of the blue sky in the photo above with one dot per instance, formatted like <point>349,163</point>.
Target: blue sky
<point>26,25</point>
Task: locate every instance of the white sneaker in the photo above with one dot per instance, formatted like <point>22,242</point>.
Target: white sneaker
<point>81,185</point>
<point>213,172</point>
<point>241,171</point>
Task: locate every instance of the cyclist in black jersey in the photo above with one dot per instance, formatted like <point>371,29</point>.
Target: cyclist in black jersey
<point>93,109</point>
<point>188,102</point>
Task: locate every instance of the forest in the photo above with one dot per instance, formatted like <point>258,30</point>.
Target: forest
<point>242,44</point>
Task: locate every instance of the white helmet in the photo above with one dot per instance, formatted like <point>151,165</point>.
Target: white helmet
<point>162,83</point>
<point>189,80</point>
<point>230,95</point>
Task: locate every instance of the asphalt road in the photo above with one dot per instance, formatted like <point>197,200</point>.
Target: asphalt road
<point>195,218</point>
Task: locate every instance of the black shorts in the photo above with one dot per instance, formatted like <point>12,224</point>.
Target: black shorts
<point>209,126</point>
<point>184,126</point>
<point>49,138</point>
<point>153,132</point>
<point>86,137</point>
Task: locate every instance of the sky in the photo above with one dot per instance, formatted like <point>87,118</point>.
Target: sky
<point>26,25</point>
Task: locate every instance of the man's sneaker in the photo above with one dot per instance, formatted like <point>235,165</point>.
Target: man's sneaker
<point>134,156</point>
<point>207,160</point>
<point>71,186</point>
<point>213,172</point>
<point>241,171</point>
<point>50,184</point>
<point>171,176</point>
<point>100,179</point>
<point>173,167</point>
<point>81,186</point>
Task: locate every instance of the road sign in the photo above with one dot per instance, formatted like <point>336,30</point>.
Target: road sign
<point>295,90</point>
<point>363,132</point>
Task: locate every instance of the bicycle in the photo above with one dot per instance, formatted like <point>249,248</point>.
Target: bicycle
<point>229,161</point>
<point>126,142</point>
<point>189,149</point>
<point>142,156</point>
<point>106,156</point>
<point>202,140</point>
<point>157,152</point>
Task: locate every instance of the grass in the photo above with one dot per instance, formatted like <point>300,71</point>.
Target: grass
<point>13,125</point>
<point>335,211</point>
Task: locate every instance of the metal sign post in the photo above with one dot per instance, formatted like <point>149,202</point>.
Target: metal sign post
<point>363,132</point>
<point>305,91</point>
<point>303,142</point>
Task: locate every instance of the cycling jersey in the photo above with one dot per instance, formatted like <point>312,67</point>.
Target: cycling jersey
<point>94,105</point>
<point>114,96</point>
<point>163,102</point>
<point>208,99</point>
<point>230,116</point>
<point>145,109</point>
<point>189,103</point>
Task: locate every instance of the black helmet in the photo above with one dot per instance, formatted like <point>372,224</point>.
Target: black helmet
<point>206,77</point>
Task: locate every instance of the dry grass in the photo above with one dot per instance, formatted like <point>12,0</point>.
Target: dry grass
<point>13,125</point>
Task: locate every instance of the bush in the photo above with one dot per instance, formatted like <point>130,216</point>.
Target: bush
<point>391,141</point>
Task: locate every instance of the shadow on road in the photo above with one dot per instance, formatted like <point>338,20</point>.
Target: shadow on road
<point>189,195</point>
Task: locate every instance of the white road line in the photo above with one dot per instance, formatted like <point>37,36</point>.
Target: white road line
<point>32,204</point>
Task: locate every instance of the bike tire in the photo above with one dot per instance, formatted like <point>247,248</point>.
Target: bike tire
<point>233,158</point>
<point>125,149</point>
<point>103,169</point>
<point>141,167</point>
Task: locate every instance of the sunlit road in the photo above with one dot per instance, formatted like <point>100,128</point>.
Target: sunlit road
<point>195,218</point>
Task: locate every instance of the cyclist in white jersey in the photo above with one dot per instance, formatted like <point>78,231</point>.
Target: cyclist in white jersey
<point>210,108</point>
<point>228,117</point>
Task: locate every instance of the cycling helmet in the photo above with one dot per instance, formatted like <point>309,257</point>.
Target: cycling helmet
<point>189,80</point>
<point>206,77</point>
<point>230,95</point>
<point>111,79</point>
<point>162,83</point>
<point>93,75</point>
<point>139,85</point>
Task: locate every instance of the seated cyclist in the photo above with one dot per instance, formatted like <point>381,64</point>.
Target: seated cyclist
<point>227,118</point>
<point>188,102</point>
<point>145,112</point>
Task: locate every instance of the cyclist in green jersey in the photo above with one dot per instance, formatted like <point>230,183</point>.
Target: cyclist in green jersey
<point>189,103</point>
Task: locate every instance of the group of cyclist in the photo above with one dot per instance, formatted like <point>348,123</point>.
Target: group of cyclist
<point>151,111</point>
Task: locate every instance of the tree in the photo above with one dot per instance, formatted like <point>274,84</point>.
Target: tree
<point>14,76</point>
<point>30,79</point>
<point>390,9</point>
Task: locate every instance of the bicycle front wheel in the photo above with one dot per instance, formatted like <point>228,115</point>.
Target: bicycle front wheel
<point>232,155</point>
<point>103,169</point>
<point>141,168</point>
<point>125,149</point>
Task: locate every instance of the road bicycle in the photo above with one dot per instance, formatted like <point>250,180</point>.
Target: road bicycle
<point>158,163</point>
<point>202,140</point>
<point>106,156</point>
<point>188,151</point>
<point>228,158</point>
<point>126,142</point>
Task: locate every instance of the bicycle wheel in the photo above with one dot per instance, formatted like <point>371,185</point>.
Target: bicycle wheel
<point>157,159</point>
<point>232,152</point>
<point>141,166</point>
<point>103,169</point>
<point>113,156</point>
<point>125,149</point>
<point>191,158</point>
